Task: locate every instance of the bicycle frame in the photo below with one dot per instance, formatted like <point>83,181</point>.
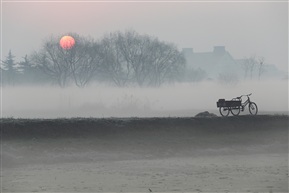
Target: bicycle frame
<point>246,102</point>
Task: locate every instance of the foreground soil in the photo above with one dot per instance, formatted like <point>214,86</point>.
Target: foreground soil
<point>233,154</point>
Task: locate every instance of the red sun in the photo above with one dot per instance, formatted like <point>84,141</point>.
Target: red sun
<point>67,42</point>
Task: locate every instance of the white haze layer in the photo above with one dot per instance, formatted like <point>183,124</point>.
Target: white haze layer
<point>177,100</point>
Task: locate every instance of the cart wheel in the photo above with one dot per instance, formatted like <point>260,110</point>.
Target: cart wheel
<point>253,108</point>
<point>235,111</point>
<point>224,111</point>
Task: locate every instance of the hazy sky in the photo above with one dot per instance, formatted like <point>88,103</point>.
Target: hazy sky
<point>245,28</point>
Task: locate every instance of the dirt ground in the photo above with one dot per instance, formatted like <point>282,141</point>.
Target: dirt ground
<point>241,154</point>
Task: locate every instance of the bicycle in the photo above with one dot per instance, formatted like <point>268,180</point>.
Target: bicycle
<point>235,106</point>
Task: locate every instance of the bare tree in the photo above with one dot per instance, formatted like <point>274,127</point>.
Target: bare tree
<point>87,61</point>
<point>261,66</point>
<point>167,63</point>
<point>53,61</point>
<point>115,65</point>
<point>78,63</point>
<point>248,66</point>
<point>131,57</point>
<point>136,51</point>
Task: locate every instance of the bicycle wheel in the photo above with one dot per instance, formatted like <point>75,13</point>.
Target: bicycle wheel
<point>235,111</point>
<point>253,109</point>
<point>224,111</point>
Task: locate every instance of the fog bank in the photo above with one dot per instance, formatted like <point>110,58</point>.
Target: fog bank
<point>184,99</point>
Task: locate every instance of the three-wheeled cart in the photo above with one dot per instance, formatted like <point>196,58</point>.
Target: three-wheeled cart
<point>235,106</point>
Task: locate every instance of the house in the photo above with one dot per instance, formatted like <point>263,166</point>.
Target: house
<point>214,63</point>
<point>220,62</point>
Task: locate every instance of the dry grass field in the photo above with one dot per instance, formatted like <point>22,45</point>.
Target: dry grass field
<point>232,154</point>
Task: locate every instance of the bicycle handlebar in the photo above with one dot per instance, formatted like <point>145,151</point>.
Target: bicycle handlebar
<point>244,95</point>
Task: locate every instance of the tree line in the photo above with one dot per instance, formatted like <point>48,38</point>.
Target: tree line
<point>251,64</point>
<point>251,67</point>
<point>121,58</point>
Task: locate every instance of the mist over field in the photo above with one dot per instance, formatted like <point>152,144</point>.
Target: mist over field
<point>99,100</point>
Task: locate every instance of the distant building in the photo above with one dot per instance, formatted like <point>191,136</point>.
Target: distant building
<point>213,63</point>
<point>220,61</point>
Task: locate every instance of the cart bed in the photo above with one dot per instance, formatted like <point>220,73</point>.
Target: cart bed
<point>232,103</point>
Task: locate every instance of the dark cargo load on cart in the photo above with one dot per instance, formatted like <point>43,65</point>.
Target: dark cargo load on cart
<point>232,103</point>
